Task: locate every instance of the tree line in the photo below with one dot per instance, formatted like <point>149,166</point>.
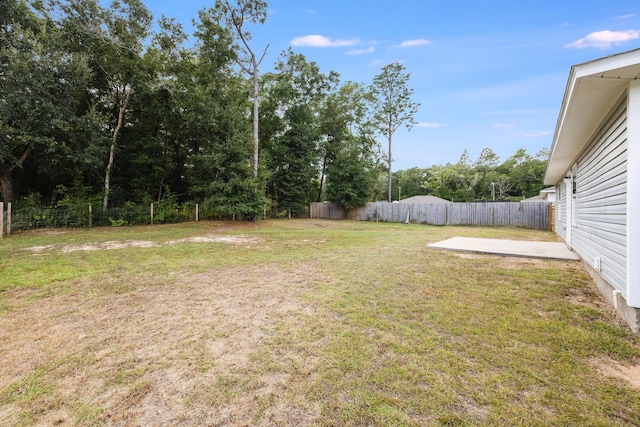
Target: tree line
<point>99,105</point>
<point>486,179</point>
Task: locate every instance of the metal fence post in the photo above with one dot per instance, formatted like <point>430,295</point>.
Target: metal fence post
<point>8,218</point>
<point>1,220</point>
<point>151,213</point>
<point>90,215</point>
<point>197,212</point>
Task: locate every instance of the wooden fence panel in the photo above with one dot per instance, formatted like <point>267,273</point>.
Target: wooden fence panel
<point>326,211</point>
<point>533,215</point>
<point>431,213</point>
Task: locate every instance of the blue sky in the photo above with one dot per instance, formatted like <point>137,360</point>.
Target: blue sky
<point>487,74</point>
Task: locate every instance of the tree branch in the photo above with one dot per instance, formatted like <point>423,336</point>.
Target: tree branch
<point>21,160</point>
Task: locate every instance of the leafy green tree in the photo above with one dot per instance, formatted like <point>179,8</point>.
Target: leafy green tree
<point>346,124</point>
<point>295,161</point>
<point>464,158</point>
<point>334,130</point>
<point>518,177</point>
<point>215,111</point>
<point>451,182</point>
<point>95,84</point>
<point>159,143</point>
<point>39,85</point>
<point>114,39</point>
<point>525,174</point>
<point>393,106</point>
<point>294,97</point>
<point>486,162</point>
<point>351,177</point>
<point>409,182</point>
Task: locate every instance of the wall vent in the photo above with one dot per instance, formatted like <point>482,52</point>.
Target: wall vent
<point>597,263</point>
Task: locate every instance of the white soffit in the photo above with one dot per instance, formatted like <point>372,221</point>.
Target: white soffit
<point>592,90</point>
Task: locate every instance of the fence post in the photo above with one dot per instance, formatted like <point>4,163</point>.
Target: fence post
<point>1,220</point>
<point>289,212</point>
<point>8,218</point>
<point>90,215</point>
<point>151,213</point>
<point>197,212</point>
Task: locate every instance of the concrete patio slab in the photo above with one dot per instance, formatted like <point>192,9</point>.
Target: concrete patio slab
<point>519,248</point>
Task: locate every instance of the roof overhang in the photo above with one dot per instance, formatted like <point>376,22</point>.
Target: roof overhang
<point>592,91</point>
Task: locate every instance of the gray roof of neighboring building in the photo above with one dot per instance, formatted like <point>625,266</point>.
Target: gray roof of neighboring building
<point>537,198</point>
<point>424,199</point>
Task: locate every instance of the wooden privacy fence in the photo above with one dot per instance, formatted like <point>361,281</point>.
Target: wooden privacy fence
<point>534,215</point>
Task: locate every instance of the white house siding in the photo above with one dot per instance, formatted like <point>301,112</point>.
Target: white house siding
<point>601,200</point>
<point>561,210</point>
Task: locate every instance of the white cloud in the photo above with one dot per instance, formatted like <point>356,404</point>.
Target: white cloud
<point>627,16</point>
<point>370,49</point>
<point>605,39</point>
<point>429,125</point>
<point>416,42</point>
<point>535,134</point>
<point>503,126</point>
<point>315,40</point>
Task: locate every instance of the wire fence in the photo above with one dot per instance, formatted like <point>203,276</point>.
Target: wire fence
<point>18,218</point>
<point>86,216</point>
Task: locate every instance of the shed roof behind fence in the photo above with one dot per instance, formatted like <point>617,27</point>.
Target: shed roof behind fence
<point>424,200</point>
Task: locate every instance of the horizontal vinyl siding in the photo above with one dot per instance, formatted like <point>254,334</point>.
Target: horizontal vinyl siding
<point>561,210</point>
<point>601,189</point>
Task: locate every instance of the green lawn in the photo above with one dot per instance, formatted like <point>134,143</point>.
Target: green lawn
<point>303,322</point>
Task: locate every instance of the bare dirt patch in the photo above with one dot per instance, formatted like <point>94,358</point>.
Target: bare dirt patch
<point>628,373</point>
<point>172,355</point>
<point>233,239</point>
<point>110,245</point>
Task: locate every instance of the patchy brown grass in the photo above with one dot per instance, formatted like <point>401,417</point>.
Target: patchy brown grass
<point>304,323</point>
<point>158,354</point>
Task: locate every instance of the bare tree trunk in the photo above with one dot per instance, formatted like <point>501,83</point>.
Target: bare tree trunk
<point>124,100</point>
<point>324,166</point>
<point>250,66</point>
<point>256,104</point>
<point>389,170</point>
<point>160,189</point>
<point>6,182</point>
<point>6,185</point>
